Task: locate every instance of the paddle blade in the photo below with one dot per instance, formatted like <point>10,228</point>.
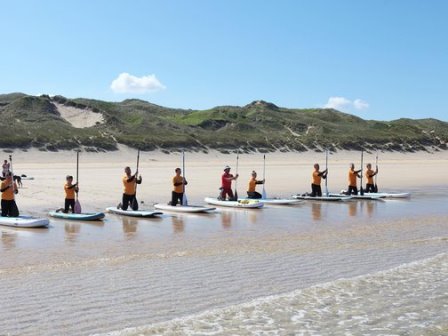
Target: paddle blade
<point>236,195</point>
<point>184,199</point>
<point>375,188</point>
<point>77,208</point>
<point>263,194</point>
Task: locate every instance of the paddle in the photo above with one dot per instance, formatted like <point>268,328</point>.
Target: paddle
<point>236,173</point>
<point>375,188</point>
<point>77,208</point>
<point>134,205</point>
<point>14,212</point>
<point>263,193</point>
<point>184,195</point>
<point>362,162</point>
<point>326,169</point>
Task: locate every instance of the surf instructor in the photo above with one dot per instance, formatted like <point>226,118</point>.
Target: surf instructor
<point>129,189</point>
<point>226,184</point>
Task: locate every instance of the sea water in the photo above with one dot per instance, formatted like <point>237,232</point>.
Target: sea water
<point>354,268</point>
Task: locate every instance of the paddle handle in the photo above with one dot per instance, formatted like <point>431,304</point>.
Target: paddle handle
<point>12,174</point>
<point>326,169</point>
<point>136,170</point>
<point>362,165</point>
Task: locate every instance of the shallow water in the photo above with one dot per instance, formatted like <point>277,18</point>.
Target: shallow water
<point>363,267</point>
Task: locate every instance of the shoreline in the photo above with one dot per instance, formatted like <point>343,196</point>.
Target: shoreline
<point>286,174</point>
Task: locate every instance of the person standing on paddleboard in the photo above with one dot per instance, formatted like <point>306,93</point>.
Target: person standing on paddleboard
<point>316,189</point>
<point>370,186</point>
<point>70,190</point>
<point>129,187</point>
<point>251,193</point>
<point>8,188</point>
<point>226,184</point>
<point>5,168</point>
<point>352,180</point>
<point>178,192</point>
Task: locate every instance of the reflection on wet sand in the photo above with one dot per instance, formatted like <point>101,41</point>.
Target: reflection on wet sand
<point>371,206</point>
<point>178,224</point>
<point>72,231</point>
<point>129,227</point>
<point>316,211</point>
<point>226,219</point>
<point>9,240</point>
<point>253,217</point>
<point>352,208</point>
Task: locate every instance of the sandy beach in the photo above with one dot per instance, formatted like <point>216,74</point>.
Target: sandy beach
<point>286,174</point>
<point>307,269</point>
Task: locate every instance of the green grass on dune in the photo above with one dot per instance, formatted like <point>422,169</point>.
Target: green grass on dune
<point>259,126</point>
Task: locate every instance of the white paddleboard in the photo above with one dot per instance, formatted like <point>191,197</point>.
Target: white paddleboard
<point>246,204</point>
<point>132,213</point>
<point>184,208</point>
<point>24,221</point>
<point>277,201</point>
<point>330,198</point>
<point>366,196</point>
<point>390,195</point>
<point>74,216</point>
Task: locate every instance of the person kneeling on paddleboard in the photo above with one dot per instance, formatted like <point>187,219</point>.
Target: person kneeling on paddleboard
<point>8,189</point>
<point>129,190</point>
<point>251,193</point>
<point>316,190</point>
<point>226,184</point>
<point>352,180</point>
<point>179,182</point>
<point>370,187</point>
<point>70,190</point>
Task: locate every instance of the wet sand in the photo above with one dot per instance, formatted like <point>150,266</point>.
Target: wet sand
<point>234,271</point>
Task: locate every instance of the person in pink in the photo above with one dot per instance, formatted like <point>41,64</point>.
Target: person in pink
<point>226,184</point>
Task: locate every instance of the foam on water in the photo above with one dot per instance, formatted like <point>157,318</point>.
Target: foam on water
<point>83,278</point>
<point>410,299</point>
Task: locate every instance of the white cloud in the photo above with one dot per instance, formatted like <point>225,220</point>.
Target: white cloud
<point>341,103</point>
<point>126,83</point>
<point>337,103</point>
<point>360,104</point>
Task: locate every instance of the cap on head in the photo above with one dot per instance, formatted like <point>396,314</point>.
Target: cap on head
<point>227,168</point>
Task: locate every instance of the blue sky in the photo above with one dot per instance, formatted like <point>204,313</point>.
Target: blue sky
<point>377,59</point>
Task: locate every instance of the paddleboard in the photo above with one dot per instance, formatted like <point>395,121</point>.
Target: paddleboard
<point>27,178</point>
<point>82,216</point>
<point>24,221</point>
<point>390,195</point>
<point>366,196</point>
<point>246,203</point>
<point>330,198</point>
<point>184,208</point>
<point>132,213</point>
<point>277,201</point>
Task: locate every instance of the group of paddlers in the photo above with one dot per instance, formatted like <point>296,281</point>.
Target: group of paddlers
<point>316,189</point>
<point>9,188</point>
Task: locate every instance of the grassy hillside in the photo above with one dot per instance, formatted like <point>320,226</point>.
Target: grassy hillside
<point>35,122</point>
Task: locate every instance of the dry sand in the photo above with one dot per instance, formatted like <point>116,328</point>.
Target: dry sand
<point>286,174</point>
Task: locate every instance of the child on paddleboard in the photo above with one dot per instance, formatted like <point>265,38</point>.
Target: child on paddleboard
<point>251,193</point>
<point>70,190</point>
<point>178,192</point>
